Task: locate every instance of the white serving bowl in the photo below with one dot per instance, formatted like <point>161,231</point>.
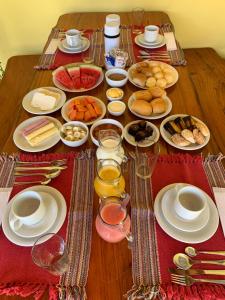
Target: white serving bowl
<point>114,98</point>
<point>75,143</point>
<point>116,83</point>
<point>119,112</point>
<point>102,122</point>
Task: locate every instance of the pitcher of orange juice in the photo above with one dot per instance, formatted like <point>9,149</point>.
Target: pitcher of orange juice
<point>109,181</point>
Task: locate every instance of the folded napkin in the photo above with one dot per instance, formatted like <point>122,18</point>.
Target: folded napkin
<point>170,41</point>
<point>219,194</point>
<point>4,197</point>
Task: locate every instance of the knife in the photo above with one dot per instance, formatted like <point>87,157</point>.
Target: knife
<point>196,272</point>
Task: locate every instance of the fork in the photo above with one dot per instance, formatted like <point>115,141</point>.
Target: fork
<point>188,280</point>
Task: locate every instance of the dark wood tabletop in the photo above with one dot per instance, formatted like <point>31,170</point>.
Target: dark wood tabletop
<point>200,91</point>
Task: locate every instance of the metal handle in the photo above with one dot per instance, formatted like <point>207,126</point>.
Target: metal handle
<point>219,281</point>
<point>213,252</point>
<point>220,262</point>
<point>40,168</point>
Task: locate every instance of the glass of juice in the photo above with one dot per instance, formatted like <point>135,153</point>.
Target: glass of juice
<point>113,222</point>
<point>109,180</point>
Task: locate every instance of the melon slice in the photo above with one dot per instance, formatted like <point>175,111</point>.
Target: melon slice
<point>63,78</point>
<point>90,70</point>
<point>74,73</point>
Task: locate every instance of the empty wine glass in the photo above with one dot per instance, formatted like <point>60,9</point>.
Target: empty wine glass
<point>138,18</point>
<point>51,254</point>
<point>88,55</point>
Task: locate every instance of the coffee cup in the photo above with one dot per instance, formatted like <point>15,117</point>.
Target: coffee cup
<point>190,202</point>
<point>73,37</point>
<point>27,208</point>
<point>151,33</point>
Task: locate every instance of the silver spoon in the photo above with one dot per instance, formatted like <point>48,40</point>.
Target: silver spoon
<point>44,182</point>
<point>184,262</point>
<point>57,162</point>
<point>191,251</point>
<point>50,175</point>
<point>41,168</point>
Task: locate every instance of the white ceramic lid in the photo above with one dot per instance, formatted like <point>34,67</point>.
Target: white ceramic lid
<point>111,28</point>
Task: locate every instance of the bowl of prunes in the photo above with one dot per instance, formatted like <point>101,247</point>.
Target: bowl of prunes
<point>141,133</point>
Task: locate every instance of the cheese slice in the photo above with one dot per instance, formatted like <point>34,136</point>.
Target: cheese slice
<point>39,131</point>
<point>56,95</point>
<point>42,101</point>
<point>43,136</point>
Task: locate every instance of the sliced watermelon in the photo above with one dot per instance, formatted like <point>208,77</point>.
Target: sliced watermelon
<point>63,77</point>
<point>92,70</point>
<point>74,73</point>
<point>88,81</point>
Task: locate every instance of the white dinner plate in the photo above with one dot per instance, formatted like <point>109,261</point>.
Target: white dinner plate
<point>147,141</point>
<point>195,237</point>
<point>85,44</point>
<point>37,111</point>
<point>152,116</point>
<point>22,143</point>
<point>149,46</point>
<point>141,40</point>
<point>171,216</point>
<point>64,110</point>
<point>28,242</point>
<point>30,231</point>
<point>167,136</point>
<point>174,73</point>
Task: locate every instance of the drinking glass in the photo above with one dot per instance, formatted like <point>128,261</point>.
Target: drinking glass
<point>88,55</point>
<point>51,254</point>
<point>145,161</point>
<point>138,18</point>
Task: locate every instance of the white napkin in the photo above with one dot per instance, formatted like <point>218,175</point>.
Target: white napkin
<point>170,41</point>
<point>52,47</point>
<point>4,197</point>
<point>219,194</point>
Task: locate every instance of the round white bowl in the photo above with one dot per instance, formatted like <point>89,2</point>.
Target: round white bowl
<point>116,113</point>
<point>116,83</point>
<point>114,98</point>
<point>75,143</point>
<point>104,121</point>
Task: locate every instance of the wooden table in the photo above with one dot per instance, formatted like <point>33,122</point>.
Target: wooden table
<point>200,91</point>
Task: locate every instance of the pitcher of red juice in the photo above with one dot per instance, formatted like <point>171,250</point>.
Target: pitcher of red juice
<point>113,222</point>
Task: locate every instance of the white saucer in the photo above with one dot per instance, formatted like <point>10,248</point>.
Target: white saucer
<point>27,242</point>
<point>85,44</point>
<point>67,46</point>
<point>178,222</point>
<point>42,226</point>
<point>142,40</point>
<point>187,237</point>
<point>149,46</point>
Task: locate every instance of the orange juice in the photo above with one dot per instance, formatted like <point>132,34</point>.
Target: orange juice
<point>109,181</point>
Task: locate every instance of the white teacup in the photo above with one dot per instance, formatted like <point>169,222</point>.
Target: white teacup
<point>28,208</point>
<point>190,202</point>
<point>151,33</point>
<point>73,37</point>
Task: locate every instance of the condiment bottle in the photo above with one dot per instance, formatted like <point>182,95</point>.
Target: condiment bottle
<point>112,36</point>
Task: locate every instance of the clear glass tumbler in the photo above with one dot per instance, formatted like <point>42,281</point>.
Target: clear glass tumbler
<point>138,19</point>
<point>49,252</point>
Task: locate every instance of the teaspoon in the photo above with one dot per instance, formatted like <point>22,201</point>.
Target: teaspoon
<point>57,162</point>
<point>44,182</point>
<point>191,251</point>
<point>50,175</point>
<point>184,262</point>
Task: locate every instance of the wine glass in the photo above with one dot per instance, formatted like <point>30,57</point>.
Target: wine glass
<point>88,55</point>
<point>138,18</point>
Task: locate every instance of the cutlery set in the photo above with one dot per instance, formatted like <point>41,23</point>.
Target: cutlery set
<point>154,55</point>
<point>51,170</point>
<point>183,274</point>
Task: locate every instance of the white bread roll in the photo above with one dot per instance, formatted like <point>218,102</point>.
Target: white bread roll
<point>142,107</point>
<point>158,106</point>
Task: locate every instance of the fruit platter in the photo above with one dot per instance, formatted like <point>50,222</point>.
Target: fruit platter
<point>87,109</point>
<point>77,77</point>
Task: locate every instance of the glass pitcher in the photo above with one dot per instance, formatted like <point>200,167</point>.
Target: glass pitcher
<point>110,146</point>
<point>113,222</point>
<point>109,180</point>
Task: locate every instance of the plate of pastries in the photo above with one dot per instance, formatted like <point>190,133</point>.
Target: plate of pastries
<point>185,132</point>
<point>147,74</point>
<point>150,104</point>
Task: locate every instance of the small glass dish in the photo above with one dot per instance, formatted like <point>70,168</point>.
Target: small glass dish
<point>114,94</point>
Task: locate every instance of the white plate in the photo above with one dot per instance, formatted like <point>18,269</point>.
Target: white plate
<point>67,46</point>
<point>167,137</point>
<point>178,222</point>
<point>174,73</point>
<point>22,143</point>
<point>152,116</point>
<point>142,40</point>
<point>195,237</point>
<point>147,141</point>
<point>149,46</point>
<point>85,44</point>
<point>37,111</point>
<point>65,109</point>
<point>62,87</point>
<point>42,226</point>
<point>28,242</point>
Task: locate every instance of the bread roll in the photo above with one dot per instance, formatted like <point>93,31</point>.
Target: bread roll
<point>143,95</point>
<point>158,106</point>
<point>151,81</point>
<point>142,107</point>
<point>140,79</point>
<point>156,70</point>
<point>147,71</point>
<point>161,83</point>
<point>157,92</point>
